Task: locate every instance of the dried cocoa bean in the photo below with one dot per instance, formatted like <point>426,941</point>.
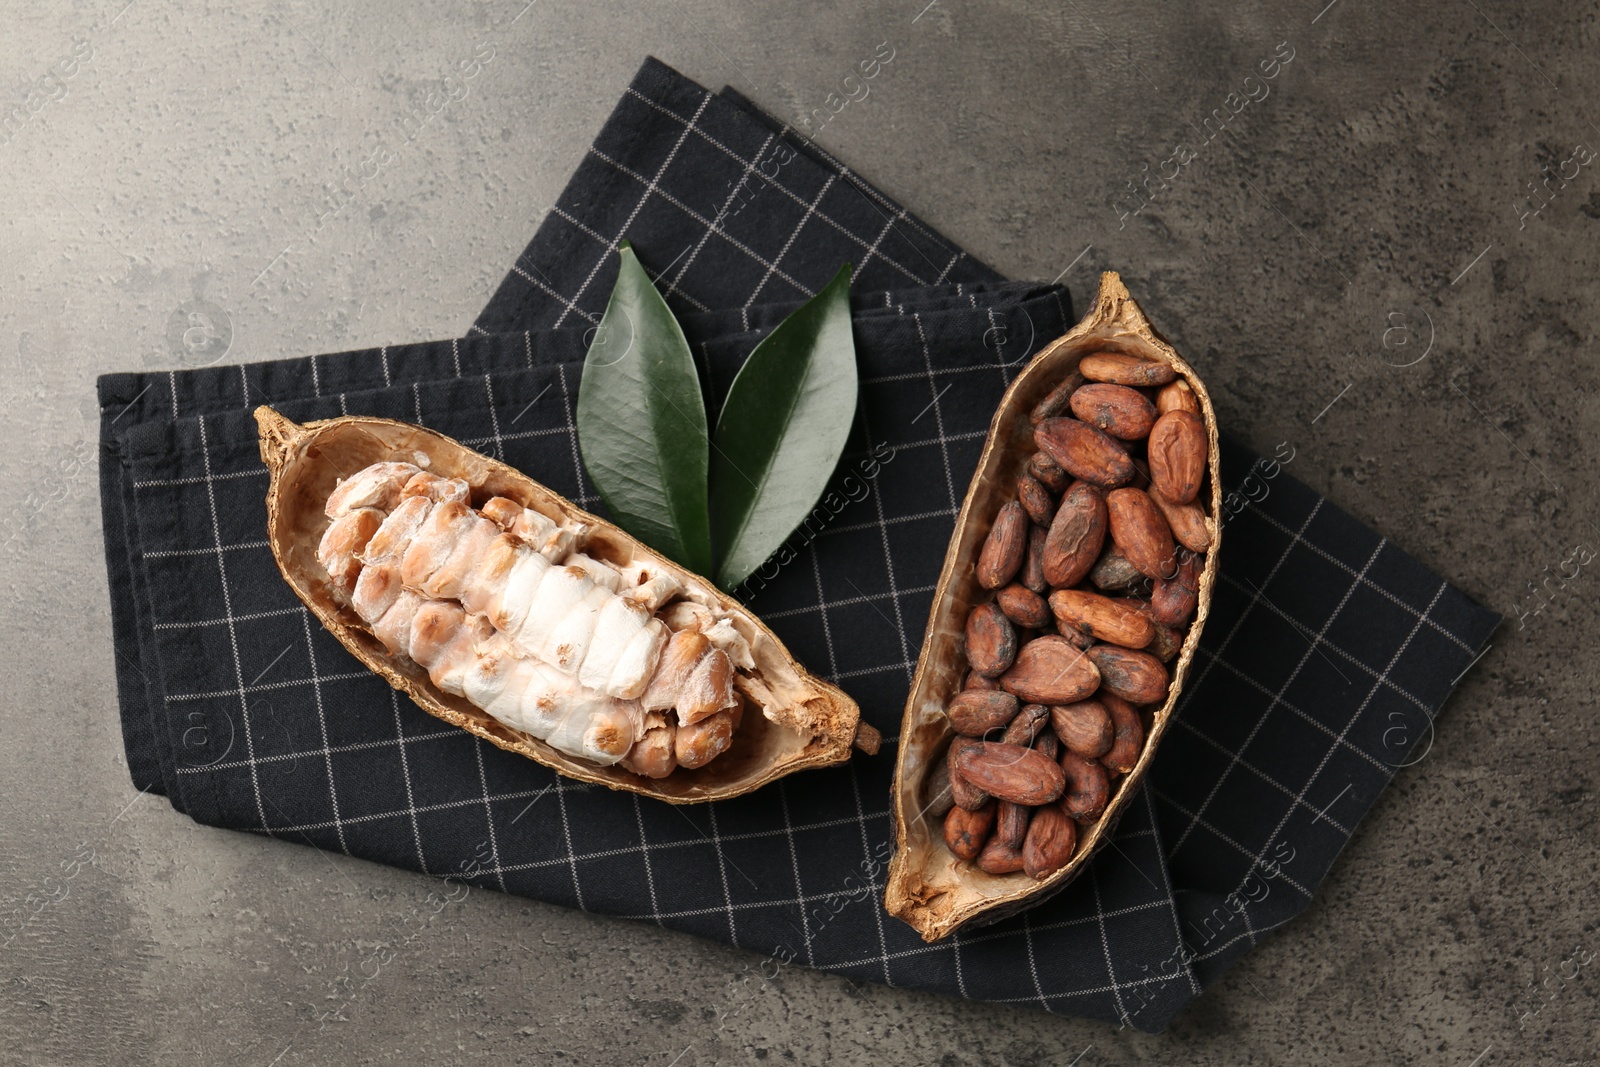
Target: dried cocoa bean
<point>975,712</point>
<point>1076,536</point>
<point>991,640</point>
<point>1119,369</point>
<point>1177,396</point>
<point>964,793</point>
<point>1085,452</point>
<point>1129,734</point>
<point>1187,521</point>
<point>1084,727</point>
<point>1112,572</point>
<point>1134,676</point>
<point>966,831</point>
<point>998,857</point>
<point>1023,606</point>
<point>1011,823</point>
<point>1027,724</point>
<point>1087,787</point>
<point>1165,643</point>
<point>937,799</point>
<point>1049,472</point>
<point>1139,532</point>
<point>1011,772</point>
<point>1117,410</point>
<point>1100,617</point>
<point>979,681</point>
<point>1052,837</point>
<point>1173,600</point>
<point>1177,453</point>
<point>1004,548</point>
<point>1051,670</point>
<point>1056,401</point>
<point>1032,575</point>
<point>1036,499</point>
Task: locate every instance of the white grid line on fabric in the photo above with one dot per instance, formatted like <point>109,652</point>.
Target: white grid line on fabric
<point>1369,583</point>
<point>888,224</point>
<point>488,808</point>
<point>1263,775</point>
<point>1105,946</point>
<point>650,186</point>
<point>1299,712</point>
<point>455,354</point>
<point>722,870</point>
<point>898,520</point>
<point>1326,756</point>
<point>799,902</point>
<point>705,235</point>
<point>644,856</point>
<point>571,859</point>
<point>1219,835</point>
<point>938,412</point>
<point>955,943</point>
<point>174,698</point>
<point>861,672</point>
<point>583,499</point>
<point>383,360</point>
<point>322,723</point>
<point>698,218</point>
<point>785,190</point>
<point>405,773</point>
<point>888,568</point>
<point>494,420</point>
<point>1033,959</point>
<point>191,624</point>
<point>244,387</point>
<point>519,435</point>
<point>1171,893</point>
<point>794,865</point>
<point>539,283</point>
<point>1251,936</point>
<point>172,390</point>
<point>227,610</point>
<point>314,753</point>
<point>169,553</point>
<point>1194,686</point>
<point>811,210</point>
<point>1325,643</point>
<point>1311,647</point>
<point>855,786</point>
<point>612,246</point>
<point>163,483</point>
<point>316,378</point>
<point>865,598</point>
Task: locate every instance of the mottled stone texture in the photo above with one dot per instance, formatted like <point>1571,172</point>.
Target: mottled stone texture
<point>1361,237</point>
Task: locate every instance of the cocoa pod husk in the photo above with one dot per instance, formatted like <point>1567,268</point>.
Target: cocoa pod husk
<point>1076,536</point>
<point>1084,452</point>
<point>1051,670</point>
<point>1173,600</point>
<point>1004,548</point>
<point>976,712</point>
<point>1118,369</point>
<point>1052,838</point>
<point>1100,617</point>
<point>1177,454</point>
<point>1025,728</point>
<point>1139,532</point>
<point>1137,677</point>
<point>1011,823</point>
<point>991,640</point>
<point>1088,789</point>
<point>1084,727</point>
<point>1128,730</point>
<point>1122,412</point>
<point>1023,606</point>
<point>1036,499</point>
<point>1187,521</point>
<point>966,831</point>
<point>1011,772</point>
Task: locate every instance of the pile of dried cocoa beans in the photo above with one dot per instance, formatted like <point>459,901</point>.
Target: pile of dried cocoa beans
<point>1095,570</point>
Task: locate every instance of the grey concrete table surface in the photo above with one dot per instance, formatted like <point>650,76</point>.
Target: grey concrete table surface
<point>1387,260</point>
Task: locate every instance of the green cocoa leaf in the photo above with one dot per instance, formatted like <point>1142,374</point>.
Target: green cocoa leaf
<point>642,422</point>
<point>782,430</point>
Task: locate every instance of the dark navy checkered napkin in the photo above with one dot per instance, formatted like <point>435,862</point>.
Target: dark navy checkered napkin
<point>1328,651</point>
